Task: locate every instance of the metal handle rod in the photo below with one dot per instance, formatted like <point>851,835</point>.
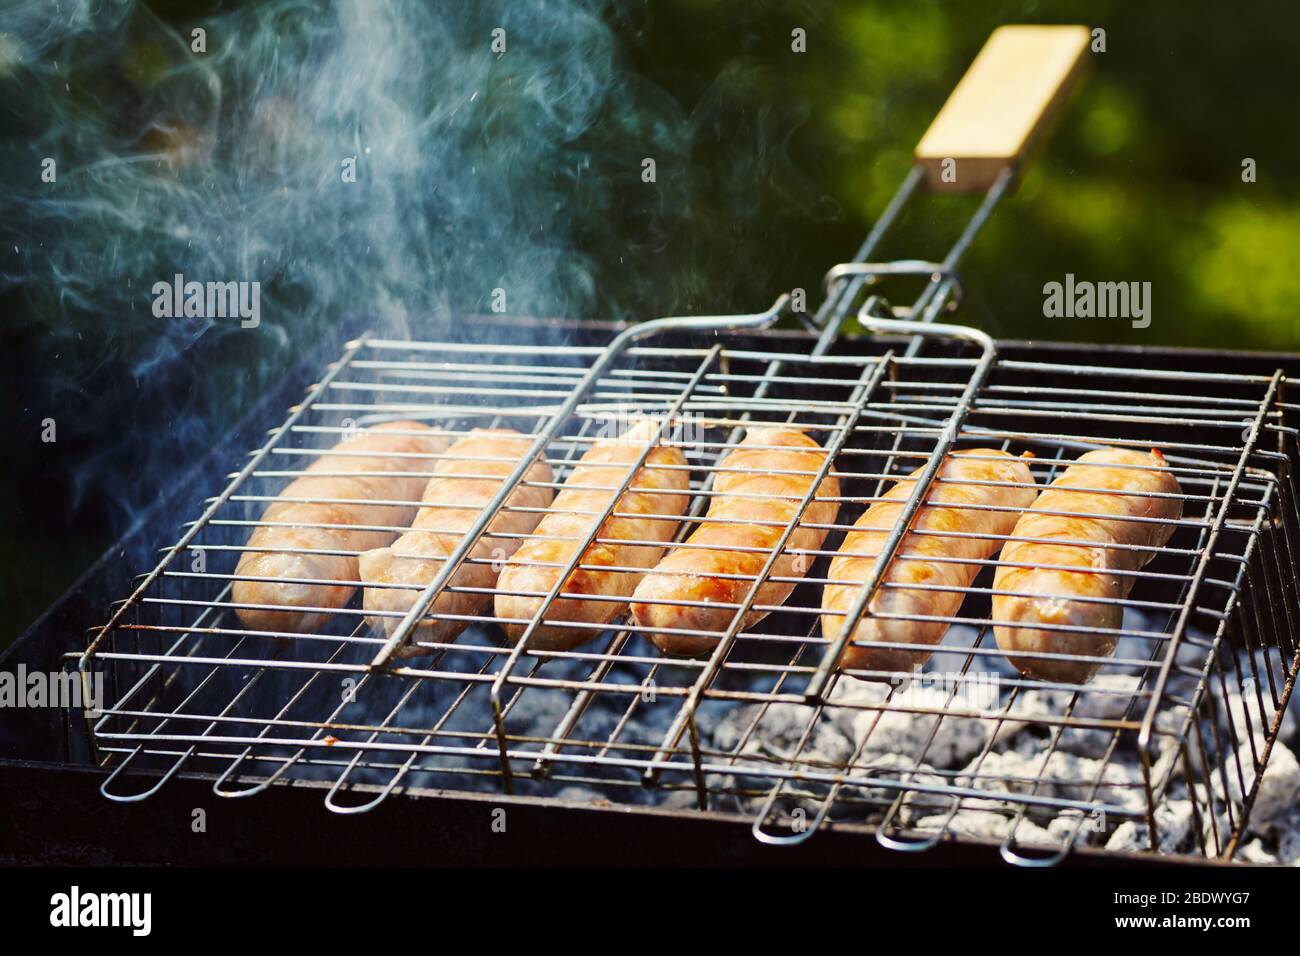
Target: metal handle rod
<point>561,579</point>
<point>871,272</point>
<point>830,317</point>
<point>934,296</point>
<point>607,358</point>
<point>829,333</point>
<point>928,304</point>
<point>920,490</point>
<point>814,694</point>
<point>872,375</point>
<point>836,307</point>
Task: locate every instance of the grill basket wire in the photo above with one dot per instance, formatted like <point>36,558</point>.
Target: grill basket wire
<point>1193,696</point>
<point>1184,714</point>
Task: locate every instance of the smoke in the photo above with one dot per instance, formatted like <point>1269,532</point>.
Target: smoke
<point>383,164</point>
<point>401,161</point>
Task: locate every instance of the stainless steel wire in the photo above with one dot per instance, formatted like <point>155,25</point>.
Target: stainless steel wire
<point>197,688</point>
<point>1184,714</point>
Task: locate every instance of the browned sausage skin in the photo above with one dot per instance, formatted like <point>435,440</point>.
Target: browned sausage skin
<point>980,491</point>
<point>645,517</point>
<point>1044,595</point>
<point>465,480</point>
<point>751,506</point>
<point>393,448</point>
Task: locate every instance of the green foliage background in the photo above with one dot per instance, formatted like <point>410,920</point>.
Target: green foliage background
<point>1141,179</point>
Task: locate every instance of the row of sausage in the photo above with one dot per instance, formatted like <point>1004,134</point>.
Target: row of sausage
<point>1066,554</point>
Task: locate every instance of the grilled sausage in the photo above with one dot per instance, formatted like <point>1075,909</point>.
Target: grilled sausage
<point>1045,595</point>
<point>952,505</point>
<point>376,449</point>
<point>686,591</point>
<point>535,567</point>
<point>463,484</point>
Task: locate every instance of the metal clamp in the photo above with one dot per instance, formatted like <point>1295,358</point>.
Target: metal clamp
<point>612,353</point>
<point>817,685</point>
<point>945,280</point>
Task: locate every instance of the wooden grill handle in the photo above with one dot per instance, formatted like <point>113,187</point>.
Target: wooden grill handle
<point>999,110</point>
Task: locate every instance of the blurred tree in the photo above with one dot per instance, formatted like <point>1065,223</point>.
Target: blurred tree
<point>1140,181</point>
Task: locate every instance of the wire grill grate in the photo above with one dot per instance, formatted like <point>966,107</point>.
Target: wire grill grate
<point>1184,711</point>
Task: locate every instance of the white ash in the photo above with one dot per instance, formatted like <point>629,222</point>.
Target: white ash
<point>1278,789</point>
<point>890,740</point>
<point>1273,832</point>
<point>1216,828</point>
<point>1174,819</point>
<point>1076,827</point>
<point>574,794</point>
<point>894,740</point>
<point>1108,697</point>
<point>919,780</point>
<point>1287,835</point>
<point>1244,712</point>
<point>1254,852</point>
<point>967,823</point>
<point>1065,776</point>
<point>1277,843</point>
<point>988,826</point>
<point>902,731</point>
<point>779,733</point>
<point>687,798</point>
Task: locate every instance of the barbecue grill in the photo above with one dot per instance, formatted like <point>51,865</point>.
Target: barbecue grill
<point>1163,751</point>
